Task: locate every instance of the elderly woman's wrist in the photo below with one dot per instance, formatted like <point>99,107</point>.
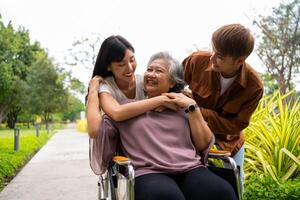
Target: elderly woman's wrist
<point>191,102</point>
<point>191,107</point>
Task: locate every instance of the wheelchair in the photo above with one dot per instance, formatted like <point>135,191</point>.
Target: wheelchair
<point>118,182</point>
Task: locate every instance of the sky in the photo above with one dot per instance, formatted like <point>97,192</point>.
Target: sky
<point>177,26</point>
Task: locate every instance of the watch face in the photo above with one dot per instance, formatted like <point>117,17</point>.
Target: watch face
<point>192,108</point>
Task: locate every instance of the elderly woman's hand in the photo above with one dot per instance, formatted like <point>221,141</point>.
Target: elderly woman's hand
<point>168,104</point>
<point>180,99</point>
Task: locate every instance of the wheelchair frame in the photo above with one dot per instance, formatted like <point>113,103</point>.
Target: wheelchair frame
<point>108,181</point>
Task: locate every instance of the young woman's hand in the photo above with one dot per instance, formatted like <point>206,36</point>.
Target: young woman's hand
<point>94,83</point>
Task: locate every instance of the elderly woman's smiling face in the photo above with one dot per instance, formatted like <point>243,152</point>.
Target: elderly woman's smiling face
<point>157,78</point>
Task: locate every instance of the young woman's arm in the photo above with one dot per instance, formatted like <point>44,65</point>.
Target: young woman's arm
<point>201,134</point>
<point>93,107</point>
<point>112,108</point>
<point>127,111</point>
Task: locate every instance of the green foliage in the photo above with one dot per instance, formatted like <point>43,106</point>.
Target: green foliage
<point>77,86</point>
<point>270,85</point>
<point>272,144</point>
<point>11,161</point>
<point>74,107</point>
<point>30,83</point>
<point>26,119</point>
<point>47,93</point>
<point>16,57</point>
<point>7,49</point>
<point>265,188</point>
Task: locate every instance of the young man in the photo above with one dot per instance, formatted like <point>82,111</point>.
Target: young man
<point>225,87</point>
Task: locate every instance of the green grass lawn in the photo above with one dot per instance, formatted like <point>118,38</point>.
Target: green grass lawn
<point>12,161</point>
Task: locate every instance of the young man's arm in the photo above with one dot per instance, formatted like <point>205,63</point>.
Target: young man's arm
<point>232,126</point>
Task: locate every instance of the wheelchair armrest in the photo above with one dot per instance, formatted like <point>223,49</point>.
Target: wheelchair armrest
<point>125,162</point>
<point>213,153</point>
<point>225,156</point>
<point>222,155</point>
<point>121,160</point>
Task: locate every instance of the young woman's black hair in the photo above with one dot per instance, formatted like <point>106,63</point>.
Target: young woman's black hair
<point>112,49</point>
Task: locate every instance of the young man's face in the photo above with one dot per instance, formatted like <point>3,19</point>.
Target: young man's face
<point>226,65</point>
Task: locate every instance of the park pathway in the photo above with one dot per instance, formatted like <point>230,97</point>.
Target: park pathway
<point>59,171</point>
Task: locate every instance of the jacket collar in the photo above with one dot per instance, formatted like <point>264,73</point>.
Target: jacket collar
<point>242,75</point>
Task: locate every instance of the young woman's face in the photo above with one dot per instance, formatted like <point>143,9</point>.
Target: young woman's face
<point>157,78</point>
<point>124,70</point>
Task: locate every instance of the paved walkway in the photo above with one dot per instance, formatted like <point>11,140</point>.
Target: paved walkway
<point>60,171</point>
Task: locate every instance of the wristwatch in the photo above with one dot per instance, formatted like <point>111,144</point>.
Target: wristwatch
<point>191,108</point>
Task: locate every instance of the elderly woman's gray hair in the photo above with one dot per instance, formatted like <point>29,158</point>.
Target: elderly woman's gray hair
<point>175,69</point>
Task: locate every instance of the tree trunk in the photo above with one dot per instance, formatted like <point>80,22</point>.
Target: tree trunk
<point>3,113</point>
<point>12,117</point>
<point>47,120</point>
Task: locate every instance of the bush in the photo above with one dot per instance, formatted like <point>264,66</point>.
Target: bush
<point>272,144</point>
<point>265,188</point>
<point>81,125</point>
<point>11,161</point>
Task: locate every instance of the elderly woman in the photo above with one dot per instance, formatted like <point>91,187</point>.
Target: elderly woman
<point>163,145</point>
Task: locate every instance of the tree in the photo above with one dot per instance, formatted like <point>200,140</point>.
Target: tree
<point>74,107</point>
<point>45,89</point>
<point>279,48</point>
<point>16,56</point>
<point>76,86</point>
<point>270,85</point>
<point>30,84</point>
<point>84,52</point>
<point>7,47</point>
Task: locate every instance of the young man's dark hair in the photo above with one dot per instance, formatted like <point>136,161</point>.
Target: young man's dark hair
<point>233,40</point>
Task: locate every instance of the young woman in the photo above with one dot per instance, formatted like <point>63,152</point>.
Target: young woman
<point>114,71</point>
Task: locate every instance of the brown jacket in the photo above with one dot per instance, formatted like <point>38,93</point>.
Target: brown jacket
<point>229,114</point>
